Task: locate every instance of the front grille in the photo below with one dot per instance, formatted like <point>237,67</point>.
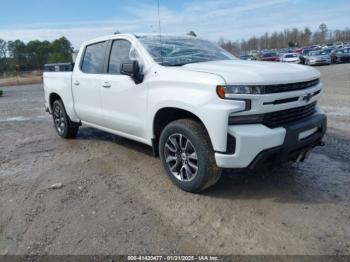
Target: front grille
<point>283,117</point>
<point>269,89</point>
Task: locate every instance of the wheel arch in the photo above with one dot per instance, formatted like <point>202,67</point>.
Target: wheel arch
<point>53,97</point>
<point>166,115</point>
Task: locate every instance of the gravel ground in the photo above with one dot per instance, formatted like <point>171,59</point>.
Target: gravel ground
<point>116,198</point>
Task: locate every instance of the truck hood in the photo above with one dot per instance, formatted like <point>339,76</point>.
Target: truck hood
<point>255,72</point>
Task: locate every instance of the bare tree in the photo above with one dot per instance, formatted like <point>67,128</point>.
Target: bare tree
<point>3,48</point>
<point>287,38</point>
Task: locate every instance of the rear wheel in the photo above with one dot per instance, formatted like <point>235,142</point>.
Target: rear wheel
<point>187,155</point>
<point>64,126</point>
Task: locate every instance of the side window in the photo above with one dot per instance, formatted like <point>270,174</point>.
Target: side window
<point>119,54</point>
<point>94,58</point>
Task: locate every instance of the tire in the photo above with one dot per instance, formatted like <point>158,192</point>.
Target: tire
<point>64,126</point>
<point>183,145</point>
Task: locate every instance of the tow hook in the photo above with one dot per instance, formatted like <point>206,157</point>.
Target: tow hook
<point>302,156</point>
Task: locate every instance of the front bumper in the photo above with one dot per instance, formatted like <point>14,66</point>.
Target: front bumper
<point>320,62</point>
<point>257,144</point>
<point>292,62</point>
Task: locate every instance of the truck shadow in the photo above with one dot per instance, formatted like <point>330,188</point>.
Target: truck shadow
<point>288,183</point>
<point>89,133</point>
<point>322,178</point>
<point>314,181</point>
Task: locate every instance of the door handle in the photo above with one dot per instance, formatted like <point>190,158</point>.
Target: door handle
<point>106,85</point>
<point>76,83</point>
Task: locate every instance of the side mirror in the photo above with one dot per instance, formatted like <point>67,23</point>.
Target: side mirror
<point>132,69</point>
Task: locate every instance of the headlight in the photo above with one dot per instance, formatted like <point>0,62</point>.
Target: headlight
<point>226,91</point>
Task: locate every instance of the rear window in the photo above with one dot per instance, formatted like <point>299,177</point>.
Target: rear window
<point>94,58</point>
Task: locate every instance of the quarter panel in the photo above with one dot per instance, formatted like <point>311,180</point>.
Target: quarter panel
<point>60,83</point>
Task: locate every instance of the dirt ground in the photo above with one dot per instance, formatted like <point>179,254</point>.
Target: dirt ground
<point>21,80</point>
<point>116,198</point>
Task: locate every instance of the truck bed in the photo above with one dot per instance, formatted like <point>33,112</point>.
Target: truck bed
<point>58,83</point>
<point>59,67</point>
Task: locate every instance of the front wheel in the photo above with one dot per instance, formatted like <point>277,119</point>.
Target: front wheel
<point>64,126</point>
<point>187,155</point>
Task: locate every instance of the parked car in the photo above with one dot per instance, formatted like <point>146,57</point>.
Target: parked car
<point>328,50</point>
<point>247,57</point>
<point>339,45</point>
<point>305,52</point>
<point>328,45</point>
<point>290,58</point>
<point>319,57</point>
<point>269,56</point>
<point>298,50</point>
<point>199,108</point>
<point>340,55</point>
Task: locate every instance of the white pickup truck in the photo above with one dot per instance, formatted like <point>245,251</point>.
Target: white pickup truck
<point>199,107</point>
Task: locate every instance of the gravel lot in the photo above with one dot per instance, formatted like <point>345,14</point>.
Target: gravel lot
<point>117,200</point>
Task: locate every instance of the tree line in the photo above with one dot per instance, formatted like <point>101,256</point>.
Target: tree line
<point>287,38</point>
<point>19,56</point>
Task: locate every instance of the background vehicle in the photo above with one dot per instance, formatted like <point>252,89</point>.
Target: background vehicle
<point>305,52</point>
<point>339,45</point>
<point>329,46</point>
<point>328,50</point>
<point>200,108</point>
<point>290,58</point>
<point>269,56</point>
<point>247,57</point>
<point>340,55</point>
<point>319,57</point>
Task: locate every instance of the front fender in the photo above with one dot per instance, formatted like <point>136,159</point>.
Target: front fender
<point>212,111</point>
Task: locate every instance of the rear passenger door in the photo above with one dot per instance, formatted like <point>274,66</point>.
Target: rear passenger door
<point>87,82</point>
<point>123,101</point>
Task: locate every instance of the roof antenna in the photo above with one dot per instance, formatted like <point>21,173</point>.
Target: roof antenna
<point>160,34</point>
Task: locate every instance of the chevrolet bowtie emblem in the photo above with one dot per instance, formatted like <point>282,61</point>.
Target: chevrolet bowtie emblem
<point>307,97</point>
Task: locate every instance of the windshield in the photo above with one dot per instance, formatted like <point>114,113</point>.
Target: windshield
<point>177,51</point>
<point>316,53</point>
<point>290,56</point>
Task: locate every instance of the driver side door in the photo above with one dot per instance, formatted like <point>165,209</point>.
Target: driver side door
<point>124,103</point>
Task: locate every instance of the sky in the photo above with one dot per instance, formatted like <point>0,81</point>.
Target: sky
<point>80,20</point>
